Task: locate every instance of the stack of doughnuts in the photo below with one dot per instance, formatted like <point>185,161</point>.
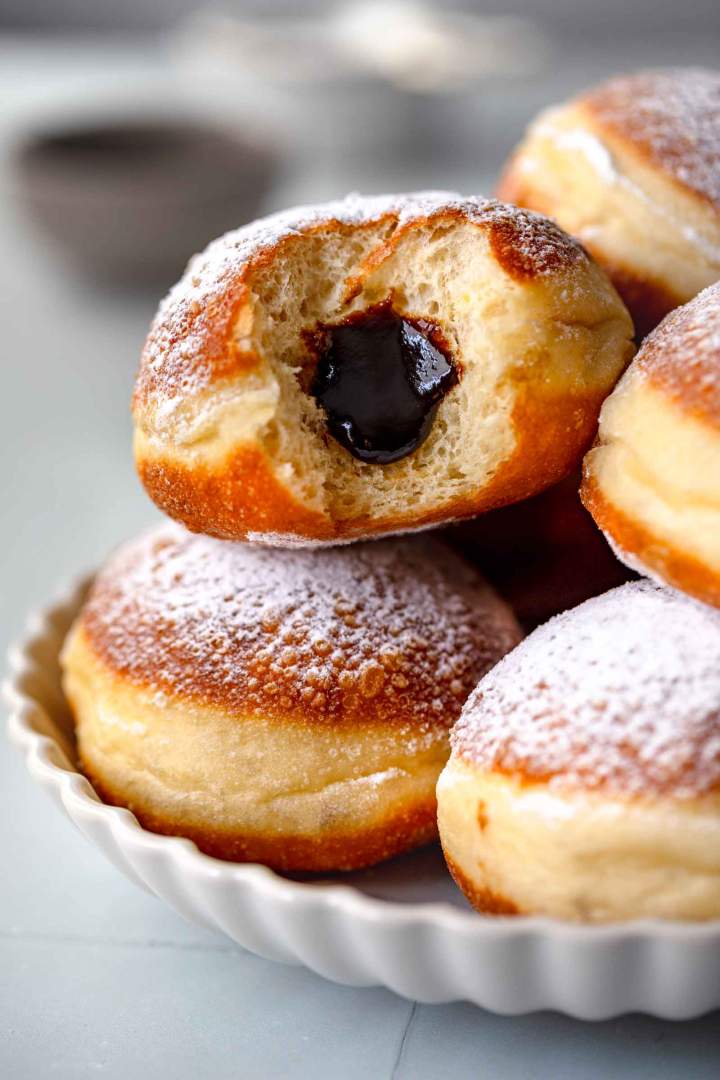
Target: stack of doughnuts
<point>274,675</point>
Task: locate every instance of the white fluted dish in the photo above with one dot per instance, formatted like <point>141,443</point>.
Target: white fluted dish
<point>402,925</point>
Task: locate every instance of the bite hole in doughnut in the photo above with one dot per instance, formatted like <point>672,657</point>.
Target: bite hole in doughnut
<point>485,334</point>
<point>379,378</point>
<point>318,288</point>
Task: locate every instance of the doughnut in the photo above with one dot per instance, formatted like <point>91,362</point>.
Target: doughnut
<point>652,482</point>
<point>584,780</point>
<point>632,169</point>
<point>543,555</point>
<point>291,710</point>
<point>374,365</point>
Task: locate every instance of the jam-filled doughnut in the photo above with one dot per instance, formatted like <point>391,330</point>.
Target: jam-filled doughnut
<point>374,365</point>
<point>652,482</point>
<point>584,781</point>
<point>543,555</point>
<point>632,168</point>
<point>292,710</point>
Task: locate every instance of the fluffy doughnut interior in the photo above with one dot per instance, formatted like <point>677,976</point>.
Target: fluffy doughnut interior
<point>560,335</point>
<point>587,856</point>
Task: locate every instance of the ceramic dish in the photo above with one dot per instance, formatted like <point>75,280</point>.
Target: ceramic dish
<point>402,925</point>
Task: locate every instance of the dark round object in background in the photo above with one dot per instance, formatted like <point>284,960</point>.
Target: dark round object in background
<point>132,200</point>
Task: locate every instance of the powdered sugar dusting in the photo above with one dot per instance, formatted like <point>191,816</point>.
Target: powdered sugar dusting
<point>632,561</point>
<point>292,540</point>
<point>621,693</point>
<point>683,354</point>
<point>395,631</point>
<point>190,341</point>
<point>674,116</point>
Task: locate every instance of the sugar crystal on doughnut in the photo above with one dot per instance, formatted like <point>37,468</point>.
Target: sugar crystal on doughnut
<point>674,116</point>
<point>327,636</point>
<point>621,693</point>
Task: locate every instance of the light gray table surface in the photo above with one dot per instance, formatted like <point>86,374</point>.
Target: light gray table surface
<point>96,977</point>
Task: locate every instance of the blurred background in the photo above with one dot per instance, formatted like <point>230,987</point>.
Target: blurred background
<point>131,133</point>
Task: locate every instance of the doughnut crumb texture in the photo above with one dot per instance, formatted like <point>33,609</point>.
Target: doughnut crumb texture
<point>231,441</point>
<point>291,709</point>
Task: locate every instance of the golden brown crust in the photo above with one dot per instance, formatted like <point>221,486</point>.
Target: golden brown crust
<point>191,343</point>
<point>409,828</point>
<point>482,899</point>
<point>526,253</point>
<point>619,695</point>
<point>169,365</point>
<point>388,634</point>
<point>670,119</point>
<point>525,246</point>
<point>236,489</point>
<point>682,356</point>
<point>241,495</point>
<point>660,557</point>
<point>291,710</point>
<point>647,300</point>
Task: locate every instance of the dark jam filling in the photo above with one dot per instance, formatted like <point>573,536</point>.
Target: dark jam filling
<point>380,378</point>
